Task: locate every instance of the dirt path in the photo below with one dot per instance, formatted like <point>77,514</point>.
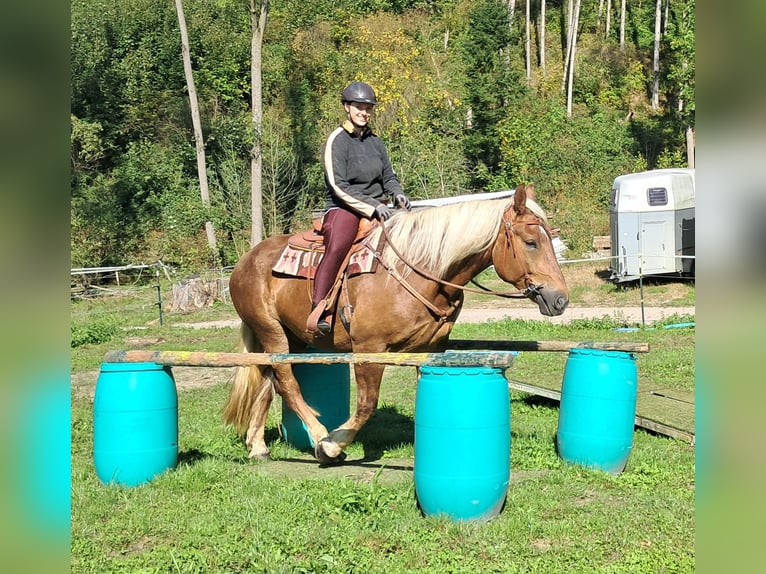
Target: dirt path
<point>628,314</point>
<point>83,384</point>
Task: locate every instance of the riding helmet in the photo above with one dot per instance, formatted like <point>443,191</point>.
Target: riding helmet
<point>359,92</point>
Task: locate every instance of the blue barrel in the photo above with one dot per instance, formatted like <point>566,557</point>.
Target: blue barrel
<point>598,409</point>
<point>462,442</point>
<point>326,388</point>
<point>135,422</point>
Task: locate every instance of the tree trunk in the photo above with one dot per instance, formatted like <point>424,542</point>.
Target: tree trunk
<point>259,11</point>
<point>608,25</point>
<point>511,10</point>
<point>656,61</point>
<point>572,53</point>
<point>199,142</point>
<point>528,44</point>
<point>622,25</point>
<point>570,14</point>
<point>690,146</point>
<point>542,35</point>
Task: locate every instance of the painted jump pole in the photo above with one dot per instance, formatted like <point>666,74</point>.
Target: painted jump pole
<point>564,346</point>
<point>501,359</point>
<point>487,353</point>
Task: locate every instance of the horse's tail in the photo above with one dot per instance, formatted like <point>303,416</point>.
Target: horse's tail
<point>251,384</point>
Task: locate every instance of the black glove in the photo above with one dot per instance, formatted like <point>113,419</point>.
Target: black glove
<point>402,200</point>
<point>382,212</point>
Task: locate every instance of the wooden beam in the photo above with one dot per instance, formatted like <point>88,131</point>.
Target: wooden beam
<point>502,359</point>
<point>640,421</point>
<point>468,344</point>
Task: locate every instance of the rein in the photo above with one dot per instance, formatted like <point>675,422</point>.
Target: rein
<point>531,288</point>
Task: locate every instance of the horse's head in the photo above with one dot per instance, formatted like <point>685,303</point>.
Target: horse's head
<point>523,255</point>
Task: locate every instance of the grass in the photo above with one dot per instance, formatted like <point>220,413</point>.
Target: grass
<point>217,511</point>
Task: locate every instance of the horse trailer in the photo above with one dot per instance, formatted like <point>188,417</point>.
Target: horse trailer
<point>651,224</point>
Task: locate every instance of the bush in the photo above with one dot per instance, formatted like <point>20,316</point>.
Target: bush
<point>100,331</point>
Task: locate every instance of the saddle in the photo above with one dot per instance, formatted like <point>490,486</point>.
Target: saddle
<point>304,251</point>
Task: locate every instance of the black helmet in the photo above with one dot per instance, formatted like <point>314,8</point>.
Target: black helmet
<point>359,92</point>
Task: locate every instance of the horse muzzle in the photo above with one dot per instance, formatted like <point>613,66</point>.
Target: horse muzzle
<point>551,302</point>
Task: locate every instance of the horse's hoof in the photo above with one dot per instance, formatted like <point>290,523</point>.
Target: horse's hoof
<point>260,456</point>
<point>328,452</point>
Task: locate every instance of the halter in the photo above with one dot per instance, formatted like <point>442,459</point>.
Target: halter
<point>508,224</point>
<point>531,288</point>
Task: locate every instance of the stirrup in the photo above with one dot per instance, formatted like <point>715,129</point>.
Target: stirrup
<point>316,324</point>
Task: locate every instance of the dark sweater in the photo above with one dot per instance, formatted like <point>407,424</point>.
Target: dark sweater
<point>358,173</point>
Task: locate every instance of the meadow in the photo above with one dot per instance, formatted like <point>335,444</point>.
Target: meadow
<point>218,511</point>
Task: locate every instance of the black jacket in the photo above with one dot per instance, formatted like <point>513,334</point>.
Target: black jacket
<point>358,173</point>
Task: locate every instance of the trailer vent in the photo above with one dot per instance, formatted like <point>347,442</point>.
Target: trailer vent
<point>657,196</point>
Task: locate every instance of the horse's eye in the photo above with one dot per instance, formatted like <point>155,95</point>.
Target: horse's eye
<point>531,243</point>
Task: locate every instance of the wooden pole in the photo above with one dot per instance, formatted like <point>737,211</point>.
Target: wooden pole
<point>467,344</point>
<point>503,359</point>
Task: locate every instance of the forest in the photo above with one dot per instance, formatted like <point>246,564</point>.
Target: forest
<point>475,96</point>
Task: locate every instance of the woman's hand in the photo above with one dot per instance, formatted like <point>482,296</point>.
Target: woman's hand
<point>402,201</point>
<point>382,212</point>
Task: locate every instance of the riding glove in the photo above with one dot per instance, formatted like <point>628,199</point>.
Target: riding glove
<point>382,212</point>
<point>403,202</point>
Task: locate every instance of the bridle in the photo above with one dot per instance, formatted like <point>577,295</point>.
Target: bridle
<point>511,240</point>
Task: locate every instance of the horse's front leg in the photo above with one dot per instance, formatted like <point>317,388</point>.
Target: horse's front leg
<point>368,377</point>
<point>289,389</point>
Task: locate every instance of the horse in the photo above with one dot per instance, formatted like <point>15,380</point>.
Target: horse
<point>400,306</point>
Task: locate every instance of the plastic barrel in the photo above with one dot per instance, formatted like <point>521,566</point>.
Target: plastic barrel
<point>598,409</point>
<point>462,442</point>
<point>135,422</point>
<point>326,388</point>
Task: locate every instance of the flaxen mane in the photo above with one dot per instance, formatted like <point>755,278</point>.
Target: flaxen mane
<point>436,237</point>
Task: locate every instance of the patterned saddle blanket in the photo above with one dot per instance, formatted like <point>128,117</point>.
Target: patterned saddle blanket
<point>304,251</point>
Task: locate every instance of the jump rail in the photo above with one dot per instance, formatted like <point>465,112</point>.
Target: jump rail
<point>202,359</point>
<point>469,344</point>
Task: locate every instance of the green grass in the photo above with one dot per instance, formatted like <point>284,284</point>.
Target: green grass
<point>216,512</point>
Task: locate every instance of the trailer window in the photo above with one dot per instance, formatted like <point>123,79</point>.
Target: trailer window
<point>657,196</point>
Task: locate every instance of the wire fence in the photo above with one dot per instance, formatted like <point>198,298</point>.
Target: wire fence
<point>141,284</point>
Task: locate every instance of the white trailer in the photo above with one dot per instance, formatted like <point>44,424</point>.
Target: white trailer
<point>651,222</point>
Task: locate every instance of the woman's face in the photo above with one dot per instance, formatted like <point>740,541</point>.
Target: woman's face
<point>359,113</point>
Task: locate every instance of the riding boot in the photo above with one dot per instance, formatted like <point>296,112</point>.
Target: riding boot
<point>317,322</point>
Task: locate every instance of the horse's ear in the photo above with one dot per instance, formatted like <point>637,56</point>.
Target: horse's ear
<point>531,192</point>
<point>520,199</point>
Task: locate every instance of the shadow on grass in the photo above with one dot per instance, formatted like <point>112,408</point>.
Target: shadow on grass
<point>388,428</point>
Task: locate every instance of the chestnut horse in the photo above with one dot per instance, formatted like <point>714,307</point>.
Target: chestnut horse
<point>444,247</point>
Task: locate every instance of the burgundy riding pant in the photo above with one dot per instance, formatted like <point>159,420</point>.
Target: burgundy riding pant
<point>339,228</point>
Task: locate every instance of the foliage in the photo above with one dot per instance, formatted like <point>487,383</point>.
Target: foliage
<point>94,333</point>
<point>456,111</point>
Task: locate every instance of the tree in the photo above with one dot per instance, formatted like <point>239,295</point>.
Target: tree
<point>568,52</point>
<point>656,59</point>
<point>259,12</point>
<point>542,34</point>
<point>681,70</point>
<point>487,83</point>
<point>572,52</point>
<point>527,43</point>
<point>622,25</point>
<point>197,123</point>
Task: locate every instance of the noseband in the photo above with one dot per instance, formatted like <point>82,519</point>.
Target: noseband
<point>511,240</point>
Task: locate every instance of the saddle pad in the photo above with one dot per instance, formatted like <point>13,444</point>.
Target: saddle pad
<point>297,262</point>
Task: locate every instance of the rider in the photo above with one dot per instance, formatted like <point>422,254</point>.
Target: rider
<point>358,177</point>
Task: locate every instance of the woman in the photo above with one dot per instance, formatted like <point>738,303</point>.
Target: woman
<point>358,177</point>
